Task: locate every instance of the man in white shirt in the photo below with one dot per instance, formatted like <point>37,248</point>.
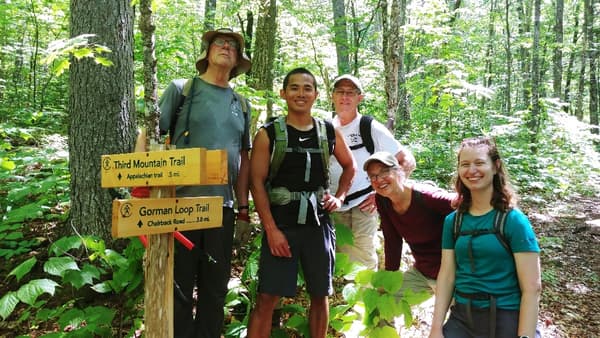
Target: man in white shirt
<point>359,211</point>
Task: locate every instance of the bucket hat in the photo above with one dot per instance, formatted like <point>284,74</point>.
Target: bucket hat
<point>244,63</point>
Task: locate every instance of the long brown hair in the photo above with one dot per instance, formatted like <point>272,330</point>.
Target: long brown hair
<point>503,197</point>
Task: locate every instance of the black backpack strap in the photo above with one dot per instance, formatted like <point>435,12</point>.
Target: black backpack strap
<point>365,133</point>
<point>364,128</point>
<point>458,216</point>
<point>186,131</point>
<point>499,224</point>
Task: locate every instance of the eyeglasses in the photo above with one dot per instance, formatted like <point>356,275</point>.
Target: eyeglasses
<point>383,174</point>
<point>222,41</point>
<point>349,93</point>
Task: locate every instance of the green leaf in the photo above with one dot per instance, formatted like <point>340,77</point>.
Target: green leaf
<point>103,61</point>
<point>82,52</point>
<point>390,281</point>
<point>7,164</point>
<point>29,292</point>
<point>23,268</point>
<point>103,287</point>
<point>364,277</point>
<point>384,332</point>
<point>408,318</point>
<point>62,66</point>
<point>8,302</point>
<point>388,307</point>
<point>64,244</point>
<point>343,235</point>
<point>413,298</point>
<point>57,266</point>
<point>81,278</point>
<point>99,315</point>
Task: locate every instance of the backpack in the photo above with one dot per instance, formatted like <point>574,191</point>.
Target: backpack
<point>497,229</point>
<point>281,141</point>
<point>188,91</point>
<point>365,134</point>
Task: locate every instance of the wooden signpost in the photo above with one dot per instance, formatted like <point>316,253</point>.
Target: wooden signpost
<point>162,214</point>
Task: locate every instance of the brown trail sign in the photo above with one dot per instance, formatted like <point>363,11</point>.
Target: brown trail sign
<point>163,214</point>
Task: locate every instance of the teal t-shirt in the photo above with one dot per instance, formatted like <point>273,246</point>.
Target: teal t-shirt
<point>494,271</point>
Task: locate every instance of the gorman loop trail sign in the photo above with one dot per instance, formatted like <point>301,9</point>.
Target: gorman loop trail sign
<point>191,166</point>
<point>159,215</point>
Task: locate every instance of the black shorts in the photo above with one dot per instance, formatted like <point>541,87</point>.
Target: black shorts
<point>313,248</point>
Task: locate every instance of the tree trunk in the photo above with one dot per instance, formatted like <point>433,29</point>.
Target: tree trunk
<point>583,63</point>
<point>210,7</point>
<point>340,33</point>
<point>523,8</point>
<point>508,94</point>
<point>535,118</point>
<point>569,72</point>
<point>151,112</point>
<point>101,110</point>
<point>391,35</point>
<point>403,119</point>
<point>592,54</point>
<point>265,43</point>
<point>558,47</point>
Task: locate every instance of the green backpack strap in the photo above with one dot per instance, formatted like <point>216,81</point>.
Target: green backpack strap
<point>279,146</point>
<point>324,145</point>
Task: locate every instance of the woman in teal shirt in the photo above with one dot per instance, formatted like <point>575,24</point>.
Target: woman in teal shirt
<point>493,276</point>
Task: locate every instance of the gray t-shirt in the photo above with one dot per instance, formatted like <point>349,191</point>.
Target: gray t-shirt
<point>216,121</point>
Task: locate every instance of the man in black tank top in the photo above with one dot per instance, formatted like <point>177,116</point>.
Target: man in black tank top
<point>294,206</point>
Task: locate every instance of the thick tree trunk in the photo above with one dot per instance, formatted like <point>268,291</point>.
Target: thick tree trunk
<point>101,108</point>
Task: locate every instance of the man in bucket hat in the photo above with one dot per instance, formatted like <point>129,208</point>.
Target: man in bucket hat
<point>209,115</point>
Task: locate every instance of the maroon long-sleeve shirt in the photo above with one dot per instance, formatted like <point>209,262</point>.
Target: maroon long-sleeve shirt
<point>420,226</point>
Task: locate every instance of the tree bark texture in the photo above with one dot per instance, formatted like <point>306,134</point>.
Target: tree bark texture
<point>340,33</point>
<point>264,55</point>
<point>557,58</point>
<point>403,118</point>
<point>569,72</point>
<point>210,8</point>
<point>535,118</point>
<point>508,48</point>
<point>101,109</point>
<point>523,8</point>
<point>393,62</point>
<point>152,112</point>
<point>592,54</point>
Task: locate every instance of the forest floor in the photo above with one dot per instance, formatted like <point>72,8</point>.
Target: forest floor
<point>569,232</point>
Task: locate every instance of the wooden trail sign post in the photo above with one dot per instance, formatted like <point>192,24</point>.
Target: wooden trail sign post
<point>162,214</point>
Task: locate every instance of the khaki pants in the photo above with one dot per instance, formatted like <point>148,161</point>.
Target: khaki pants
<point>364,227</point>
